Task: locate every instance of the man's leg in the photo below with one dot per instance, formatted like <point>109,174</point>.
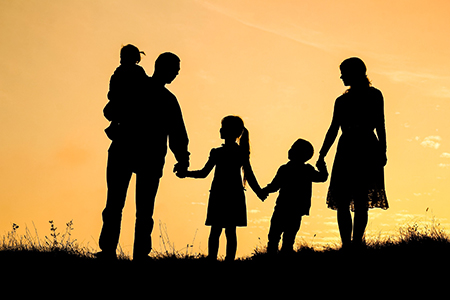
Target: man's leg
<point>117,178</point>
<point>146,189</point>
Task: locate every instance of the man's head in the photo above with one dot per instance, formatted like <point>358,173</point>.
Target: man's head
<point>167,67</point>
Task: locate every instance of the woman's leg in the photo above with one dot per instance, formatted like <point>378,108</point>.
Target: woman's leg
<point>230,233</point>
<point>213,242</point>
<point>344,219</point>
<point>360,219</point>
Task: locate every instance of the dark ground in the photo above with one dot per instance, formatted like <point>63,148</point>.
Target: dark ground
<point>414,268</point>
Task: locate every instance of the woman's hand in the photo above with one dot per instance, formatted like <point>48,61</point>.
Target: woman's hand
<point>320,161</point>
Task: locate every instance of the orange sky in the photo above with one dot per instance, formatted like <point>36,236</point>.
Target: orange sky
<point>275,64</point>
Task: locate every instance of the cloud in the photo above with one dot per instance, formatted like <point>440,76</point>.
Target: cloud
<point>433,85</point>
<point>260,220</point>
<point>431,141</point>
<point>442,92</point>
<point>445,155</point>
<point>293,32</point>
<point>412,77</point>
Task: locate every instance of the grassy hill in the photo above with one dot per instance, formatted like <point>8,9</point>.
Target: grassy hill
<point>414,262</point>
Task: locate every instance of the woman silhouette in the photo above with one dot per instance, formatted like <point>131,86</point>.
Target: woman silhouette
<point>357,177</point>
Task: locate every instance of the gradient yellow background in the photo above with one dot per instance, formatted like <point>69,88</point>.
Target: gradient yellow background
<point>275,63</point>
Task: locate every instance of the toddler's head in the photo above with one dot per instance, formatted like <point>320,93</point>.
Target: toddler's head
<point>130,54</point>
<point>301,151</point>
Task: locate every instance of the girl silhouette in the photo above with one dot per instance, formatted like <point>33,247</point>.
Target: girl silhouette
<point>226,205</point>
<point>357,177</point>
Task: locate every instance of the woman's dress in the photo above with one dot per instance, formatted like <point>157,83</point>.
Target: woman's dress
<point>357,176</point>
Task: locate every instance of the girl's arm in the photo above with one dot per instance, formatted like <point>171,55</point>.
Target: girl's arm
<point>203,173</point>
<point>252,182</point>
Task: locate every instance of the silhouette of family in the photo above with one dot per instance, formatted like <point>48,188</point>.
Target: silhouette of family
<point>145,117</point>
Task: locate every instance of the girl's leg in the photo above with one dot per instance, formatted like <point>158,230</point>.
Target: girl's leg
<point>344,219</point>
<point>213,242</point>
<point>230,233</point>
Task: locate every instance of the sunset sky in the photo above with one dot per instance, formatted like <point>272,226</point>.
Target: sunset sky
<point>274,63</point>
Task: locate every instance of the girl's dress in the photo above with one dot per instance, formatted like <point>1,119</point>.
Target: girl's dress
<point>358,169</point>
<point>226,205</point>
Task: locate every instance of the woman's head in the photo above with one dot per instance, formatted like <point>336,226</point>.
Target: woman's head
<point>130,54</point>
<point>353,72</point>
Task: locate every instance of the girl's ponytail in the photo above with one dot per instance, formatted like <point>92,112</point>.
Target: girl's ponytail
<point>244,144</point>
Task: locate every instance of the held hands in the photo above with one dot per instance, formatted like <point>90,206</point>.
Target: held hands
<point>320,164</point>
<point>262,194</point>
<point>181,170</point>
<point>182,174</point>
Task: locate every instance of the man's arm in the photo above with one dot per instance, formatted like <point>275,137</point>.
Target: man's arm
<point>178,138</point>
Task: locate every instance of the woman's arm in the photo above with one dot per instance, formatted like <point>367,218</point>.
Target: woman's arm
<point>381,128</point>
<point>332,132</point>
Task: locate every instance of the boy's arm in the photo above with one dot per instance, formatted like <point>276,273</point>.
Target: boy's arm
<point>321,175</point>
<point>276,182</point>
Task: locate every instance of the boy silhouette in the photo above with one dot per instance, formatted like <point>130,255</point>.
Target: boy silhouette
<point>294,183</point>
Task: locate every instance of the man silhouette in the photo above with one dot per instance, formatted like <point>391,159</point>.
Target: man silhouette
<point>147,122</point>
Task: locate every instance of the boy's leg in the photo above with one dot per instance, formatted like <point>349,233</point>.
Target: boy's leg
<point>213,242</point>
<point>290,232</point>
<point>118,178</point>
<point>275,231</point>
<point>230,233</point>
